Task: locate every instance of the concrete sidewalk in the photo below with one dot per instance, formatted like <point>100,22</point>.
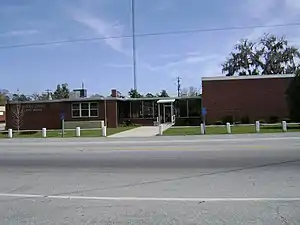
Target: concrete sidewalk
<point>144,131</point>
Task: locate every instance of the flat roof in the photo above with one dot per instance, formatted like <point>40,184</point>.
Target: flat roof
<point>104,99</point>
<point>248,77</point>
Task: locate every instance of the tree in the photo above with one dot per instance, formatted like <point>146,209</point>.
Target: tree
<point>149,95</point>
<point>4,96</point>
<point>134,94</point>
<point>163,93</point>
<point>17,115</point>
<point>17,97</point>
<point>97,96</point>
<point>41,97</point>
<point>62,91</point>
<point>293,96</point>
<point>190,92</point>
<point>270,55</point>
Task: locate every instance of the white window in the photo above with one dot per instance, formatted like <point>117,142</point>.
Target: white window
<point>85,109</point>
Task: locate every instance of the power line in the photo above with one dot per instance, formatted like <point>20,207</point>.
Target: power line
<point>149,34</point>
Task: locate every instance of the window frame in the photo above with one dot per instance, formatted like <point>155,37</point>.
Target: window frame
<point>89,109</point>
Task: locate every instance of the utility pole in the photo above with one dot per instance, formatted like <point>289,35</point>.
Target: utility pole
<point>133,44</point>
<point>178,87</point>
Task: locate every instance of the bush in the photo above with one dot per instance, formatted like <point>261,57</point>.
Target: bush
<point>262,121</point>
<point>273,119</point>
<point>245,120</point>
<point>219,122</point>
<point>227,119</point>
<point>30,132</point>
<point>288,120</point>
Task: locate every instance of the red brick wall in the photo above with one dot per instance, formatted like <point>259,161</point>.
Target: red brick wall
<point>255,98</point>
<point>40,115</point>
<point>112,119</point>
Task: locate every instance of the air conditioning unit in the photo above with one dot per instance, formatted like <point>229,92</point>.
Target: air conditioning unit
<point>80,93</point>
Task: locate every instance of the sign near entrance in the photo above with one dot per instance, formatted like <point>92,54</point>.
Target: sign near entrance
<point>62,116</point>
<point>204,112</point>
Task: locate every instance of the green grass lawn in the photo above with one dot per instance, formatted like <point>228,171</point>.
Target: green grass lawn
<point>67,133</point>
<point>234,130</point>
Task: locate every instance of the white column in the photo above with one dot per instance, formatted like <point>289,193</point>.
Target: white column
<point>160,129</point>
<point>228,127</point>
<point>284,126</point>
<point>10,133</point>
<point>202,128</point>
<point>257,127</point>
<point>102,123</point>
<point>44,132</point>
<point>158,107</point>
<point>77,132</point>
<point>104,131</point>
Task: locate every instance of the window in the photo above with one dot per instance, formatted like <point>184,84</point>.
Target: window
<point>194,106</point>
<point>148,109</point>
<point>85,109</point>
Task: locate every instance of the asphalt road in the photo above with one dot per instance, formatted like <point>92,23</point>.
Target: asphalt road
<point>234,179</point>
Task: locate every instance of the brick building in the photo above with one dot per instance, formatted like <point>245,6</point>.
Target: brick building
<point>88,112</point>
<point>254,97</point>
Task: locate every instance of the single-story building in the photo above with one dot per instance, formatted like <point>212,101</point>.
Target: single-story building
<point>114,111</point>
<point>242,98</point>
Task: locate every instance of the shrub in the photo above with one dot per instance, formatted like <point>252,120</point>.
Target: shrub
<point>273,119</point>
<point>30,132</point>
<point>245,120</point>
<point>219,122</point>
<point>227,119</point>
<point>288,120</point>
<point>262,121</point>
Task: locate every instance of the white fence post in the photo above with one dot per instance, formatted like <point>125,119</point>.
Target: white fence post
<point>228,127</point>
<point>160,129</point>
<point>102,123</point>
<point>257,126</point>
<point>202,128</point>
<point>284,126</point>
<point>10,133</point>
<point>104,131</point>
<point>77,132</point>
<point>44,132</point>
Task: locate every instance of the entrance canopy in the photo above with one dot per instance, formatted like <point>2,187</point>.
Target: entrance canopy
<point>162,101</point>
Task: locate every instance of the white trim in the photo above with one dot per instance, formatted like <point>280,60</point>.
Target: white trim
<point>80,110</point>
<point>249,77</point>
<point>166,101</point>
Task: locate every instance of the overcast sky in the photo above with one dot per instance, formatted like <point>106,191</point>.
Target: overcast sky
<point>107,64</point>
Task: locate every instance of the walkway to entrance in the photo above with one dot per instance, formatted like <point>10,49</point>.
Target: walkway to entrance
<point>144,131</point>
<point>166,117</point>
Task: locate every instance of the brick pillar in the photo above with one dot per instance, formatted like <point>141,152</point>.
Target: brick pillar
<point>112,113</point>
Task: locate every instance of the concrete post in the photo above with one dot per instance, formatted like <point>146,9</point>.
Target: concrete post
<point>104,131</point>
<point>77,132</point>
<point>44,132</point>
<point>202,128</point>
<point>160,129</point>
<point>284,126</point>
<point>10,133</point>
<point>228,127</point>
<point>102,123</point>
<point>257,127</point>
